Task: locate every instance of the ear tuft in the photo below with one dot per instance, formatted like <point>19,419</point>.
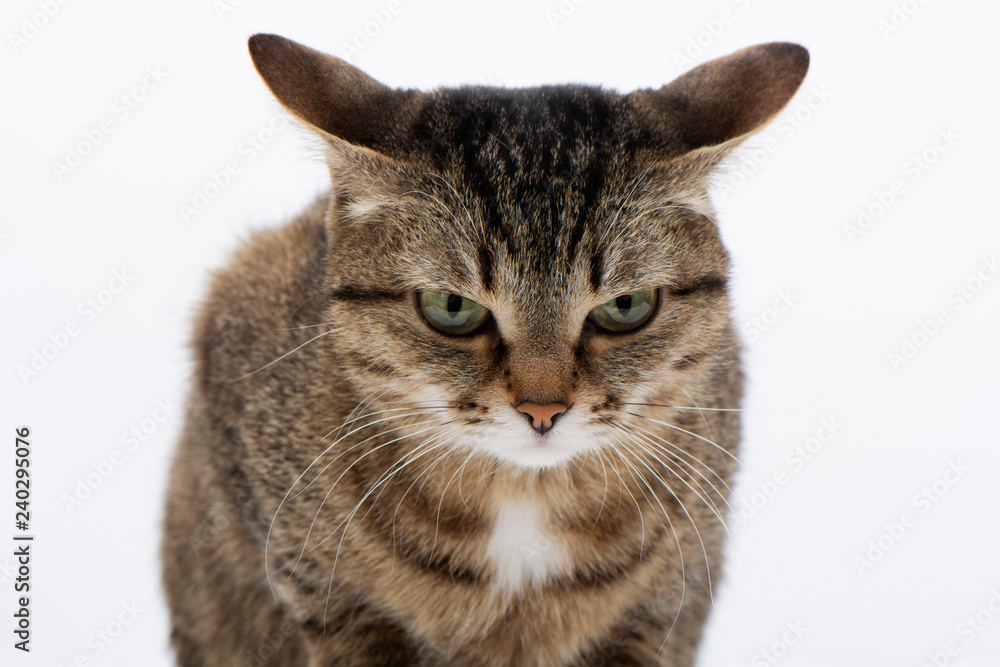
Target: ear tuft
<point>729,98</point>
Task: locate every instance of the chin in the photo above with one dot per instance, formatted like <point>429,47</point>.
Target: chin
<point>537,452</point>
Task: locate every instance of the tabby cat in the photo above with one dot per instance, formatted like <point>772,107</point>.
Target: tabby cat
<point>479,405</point>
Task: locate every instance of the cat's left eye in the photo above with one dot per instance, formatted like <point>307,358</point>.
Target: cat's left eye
<point>626,312</point>
<point>450,313</point>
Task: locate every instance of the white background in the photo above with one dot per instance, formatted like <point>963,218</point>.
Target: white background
<point>873,100</point>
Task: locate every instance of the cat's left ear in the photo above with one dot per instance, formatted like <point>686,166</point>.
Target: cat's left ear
<point>712,108</point>
<point>356,115</point>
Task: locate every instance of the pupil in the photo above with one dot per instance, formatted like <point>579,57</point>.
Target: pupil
<point>454,304</point>
<point>624,302</point>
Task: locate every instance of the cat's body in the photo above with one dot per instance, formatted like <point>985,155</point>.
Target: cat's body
<point>538,491</point>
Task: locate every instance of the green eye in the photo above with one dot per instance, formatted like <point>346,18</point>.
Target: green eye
<point>625,312</point>
<point>452,314</point>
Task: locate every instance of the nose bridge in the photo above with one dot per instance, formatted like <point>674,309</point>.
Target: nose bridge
<point>540,355</point>
<point>541,370</point>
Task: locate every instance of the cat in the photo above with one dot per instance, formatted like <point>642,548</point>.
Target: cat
<point>479,405</point>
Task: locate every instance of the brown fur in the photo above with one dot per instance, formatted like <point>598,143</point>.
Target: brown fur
<point>337,449</point>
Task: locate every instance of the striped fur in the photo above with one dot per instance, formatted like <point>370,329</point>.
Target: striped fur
<point>355,488</point>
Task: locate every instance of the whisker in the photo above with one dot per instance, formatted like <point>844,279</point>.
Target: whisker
<point>396,468</point>
<point>337,481</point>
<point>444,443</point>
<point>358,444</point>
<point>701,413</point>
<point>642,524</point>
<point>340,545</point>
<point>685,407</point>
<point>701,494</point>
<point>700,437</point>
<point>381,483</point>
<point>699,409</point>
<point>308,326</point>
<point>664,441</point>
<point>458,198</point>
<point>267,539</point>
<point>617,214</point>
<point>292,351</point>
<point>315,460</point>
<point>449,211</point>
<point>604,497</point>
<point>437,520</point>
<point>707,501</point>
<point>680,554</point>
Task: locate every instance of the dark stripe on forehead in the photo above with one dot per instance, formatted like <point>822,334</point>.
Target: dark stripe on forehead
<point>367,295</point>
<point>475,133</point>
<point>591,189</point>
<point>596,118</point>
<point>486,267</point>
<point>596,269</point>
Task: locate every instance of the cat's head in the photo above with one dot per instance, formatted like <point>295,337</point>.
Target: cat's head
<point>521,265</point>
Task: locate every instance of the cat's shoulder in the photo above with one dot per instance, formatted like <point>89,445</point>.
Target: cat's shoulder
<point>271,284</point>
<point>271,261</point>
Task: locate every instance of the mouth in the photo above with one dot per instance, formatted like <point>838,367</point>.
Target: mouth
<point>537,451</point>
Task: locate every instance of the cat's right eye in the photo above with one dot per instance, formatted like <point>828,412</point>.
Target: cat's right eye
<point>450,313</point>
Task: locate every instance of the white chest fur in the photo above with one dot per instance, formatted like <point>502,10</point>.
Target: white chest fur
<point>522,549</point>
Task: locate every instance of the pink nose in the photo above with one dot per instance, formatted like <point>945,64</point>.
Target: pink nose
<point>541,417</point>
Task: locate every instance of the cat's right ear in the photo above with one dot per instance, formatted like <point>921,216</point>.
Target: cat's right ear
<point>353,112</point>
